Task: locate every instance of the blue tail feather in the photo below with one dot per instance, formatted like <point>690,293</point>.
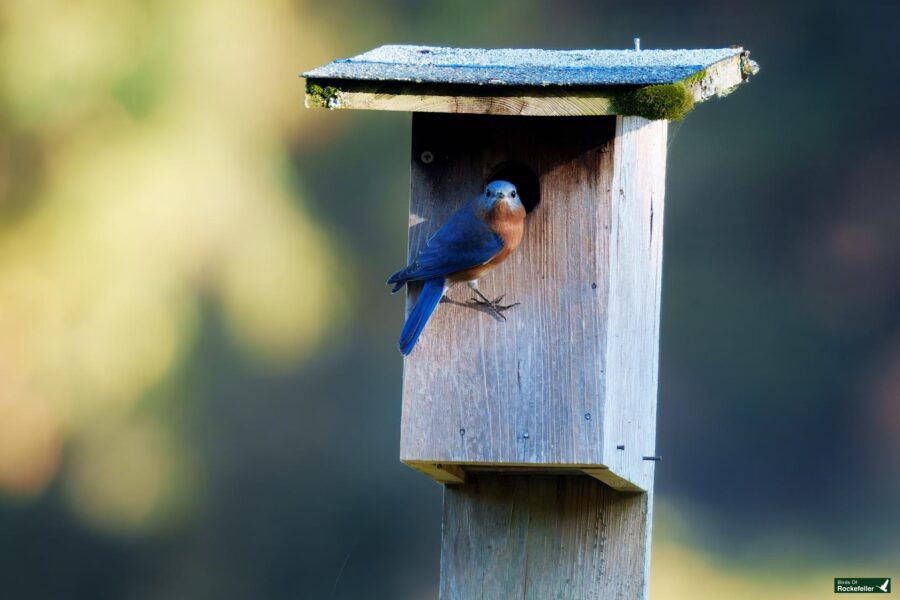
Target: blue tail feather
<point>428,299</point>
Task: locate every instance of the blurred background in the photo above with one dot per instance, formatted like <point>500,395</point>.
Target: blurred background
<point>199,384</point>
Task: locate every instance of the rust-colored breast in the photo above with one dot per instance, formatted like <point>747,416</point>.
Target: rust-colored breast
<point>509,224</point>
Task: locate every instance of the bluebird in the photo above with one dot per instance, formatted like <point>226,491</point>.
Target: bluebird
<point>475,239</point>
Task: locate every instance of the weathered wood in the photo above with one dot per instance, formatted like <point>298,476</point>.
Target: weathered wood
<point>452,474</point>
<point>635,258</point>
<point>442,473</point>
<point>717,79</point>
<point>535,390</point>
<point>556,101</point>
<point>544,538</point>
<point>517,81</point>
<point>545,419</point>
<point>722,78</point>
<point>527,390</point>
<point>614,481</point>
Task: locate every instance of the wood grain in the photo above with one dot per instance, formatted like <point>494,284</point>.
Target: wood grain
<point>536,390</point>
<point>552,101</point>
<point>635,258</point>
<point>543,538</point>
<point>566,385</point>
<point>558,101</point>
<point>441,473</point>
<point>528,390</point>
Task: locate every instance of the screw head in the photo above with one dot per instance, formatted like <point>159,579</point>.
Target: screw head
<point>526,435</point>
<point>427,157</point>
<point>462,432</point>
<point>587,416</point>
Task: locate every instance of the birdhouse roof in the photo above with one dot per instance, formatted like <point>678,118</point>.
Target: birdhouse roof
<point>436,79</point>
<point>504,67</point>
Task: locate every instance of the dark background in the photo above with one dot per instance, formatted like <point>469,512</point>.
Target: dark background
<point>199,384</point>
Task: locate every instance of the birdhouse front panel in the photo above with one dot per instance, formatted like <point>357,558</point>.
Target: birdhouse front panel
<point>528,389</point>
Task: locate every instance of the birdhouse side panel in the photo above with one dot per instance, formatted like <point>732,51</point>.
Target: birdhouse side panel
<point>634,299</point>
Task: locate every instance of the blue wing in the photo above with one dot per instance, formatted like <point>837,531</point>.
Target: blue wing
<point>464,241</point>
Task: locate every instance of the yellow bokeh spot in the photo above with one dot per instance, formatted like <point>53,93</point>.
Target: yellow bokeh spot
<point>278,283</point>
<point>152,184</point>
<point>128,477</point>
<point>30,443</point>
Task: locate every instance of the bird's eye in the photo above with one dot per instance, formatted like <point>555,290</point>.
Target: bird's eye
<point>513,194</point>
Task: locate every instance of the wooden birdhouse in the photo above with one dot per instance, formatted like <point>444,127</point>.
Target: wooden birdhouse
<point>527,414</point>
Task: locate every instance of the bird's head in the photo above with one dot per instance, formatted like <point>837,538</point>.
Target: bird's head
<point>500,191</point>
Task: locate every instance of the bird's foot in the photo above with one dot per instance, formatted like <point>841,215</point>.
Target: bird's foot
<point>494,306</point>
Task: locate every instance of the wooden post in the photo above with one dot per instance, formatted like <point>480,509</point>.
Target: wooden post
<point>544,425</point>
<point>541,537</point>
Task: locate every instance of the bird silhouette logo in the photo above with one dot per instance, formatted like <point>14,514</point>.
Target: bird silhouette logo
<point>885,587</point>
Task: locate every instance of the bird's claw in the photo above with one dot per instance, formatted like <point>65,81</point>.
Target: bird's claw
<point>494,305</point>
